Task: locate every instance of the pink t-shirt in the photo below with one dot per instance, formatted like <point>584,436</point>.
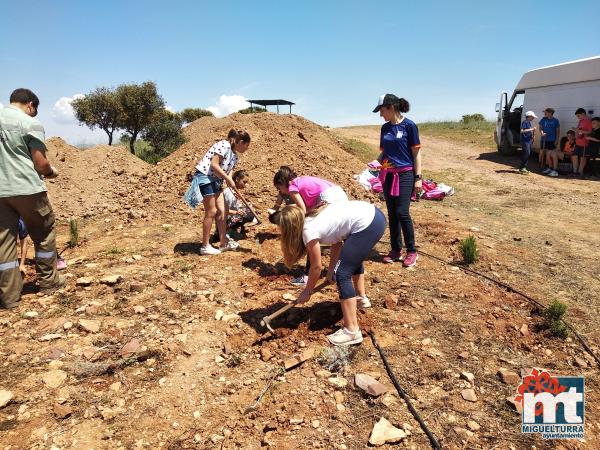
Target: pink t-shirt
<point>310,189</point>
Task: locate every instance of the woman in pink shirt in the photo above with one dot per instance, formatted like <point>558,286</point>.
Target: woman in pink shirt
<point>307,192</point>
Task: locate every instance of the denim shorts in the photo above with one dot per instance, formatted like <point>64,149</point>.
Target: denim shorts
<point>209,185</point>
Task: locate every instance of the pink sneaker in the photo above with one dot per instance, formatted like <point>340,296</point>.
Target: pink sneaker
<point>410,259</point>
<point>61,264</point>
<point>392,257</point>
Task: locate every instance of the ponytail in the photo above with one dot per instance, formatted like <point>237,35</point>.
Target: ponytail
<point>236,136</point>
<point>284,176</point>
<point>402,106</point>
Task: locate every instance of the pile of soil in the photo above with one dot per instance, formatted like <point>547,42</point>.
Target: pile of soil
<point>276,140</point>
<point>95,181</point>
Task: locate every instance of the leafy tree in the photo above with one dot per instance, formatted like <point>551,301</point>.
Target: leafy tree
<point>164,132</point>
<point>468,118</point>
<point>139,103</point>
<point>188,115</point>
<point>99,109</point>
<point>252,110</point>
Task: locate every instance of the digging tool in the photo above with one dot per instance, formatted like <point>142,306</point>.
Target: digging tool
<point>266,321</point>
<point>241,197</point>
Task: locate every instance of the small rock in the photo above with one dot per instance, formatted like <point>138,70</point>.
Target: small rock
<point>474,229</point>
<point>219,314</point>
<point>463,355</point>
<point>369,385</point>
<point>296,420</point>
<point>5,397</point>
<point>31,314</point>
<point>133,346</point>
<point>137,287</point>
<point>473,426</point>
<point>50,337</point>
<point>467,376</point>
<point>288,296</point>
<point>62,411</point>
<point>316,423</point>
<point>111,280</point>
<point>265,354</point>
<point>84,281</point>
<point>524,330</point>
<point>249,293</point>
<point>469,395</point>
<point>299,358</point>
<point>516,406</point>
<point>426,341</point>
<point>339,382</point>
<point>91,326</point>
<point>386,433</point>
<point>391,301</point>
<point>54,378</point>
<point>580,362</point>
<point>68,325</point>
<point>230,317</point>
<point>508,377</point>
<point>139,309</point>
<point>219,359</point>
<point>339,397</point>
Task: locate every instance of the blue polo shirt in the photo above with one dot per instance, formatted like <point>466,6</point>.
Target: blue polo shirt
<point>549,126</point>
<point>397,140</point>
<point>527,137</point>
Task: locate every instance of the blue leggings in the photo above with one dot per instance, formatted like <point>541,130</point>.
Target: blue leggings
<point>355,250</point>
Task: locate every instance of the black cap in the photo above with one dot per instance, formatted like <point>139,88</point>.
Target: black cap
<point>386,100</point>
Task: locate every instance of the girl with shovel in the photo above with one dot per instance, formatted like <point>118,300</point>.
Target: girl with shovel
<point>207,185</point>
<point>352,229</point>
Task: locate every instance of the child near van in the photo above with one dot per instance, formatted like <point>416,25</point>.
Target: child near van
<point>593,146</point>
<point>584,126</point>
<point>527,137</point>
<point>550,131</point>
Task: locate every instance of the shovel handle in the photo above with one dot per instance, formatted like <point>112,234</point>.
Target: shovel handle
<point>241,197</point>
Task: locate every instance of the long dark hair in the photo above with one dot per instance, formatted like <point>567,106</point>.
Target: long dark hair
<point>402,106</point>
<point>283,176</point>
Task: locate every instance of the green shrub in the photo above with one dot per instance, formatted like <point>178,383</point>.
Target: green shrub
<point>252,110</point>
<point>468,249</point>
<point>554,321</point>
<point>73,233</point>
<point>468,118</point>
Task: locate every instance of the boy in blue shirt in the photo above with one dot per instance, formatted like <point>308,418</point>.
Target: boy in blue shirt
<point>527,136</point>
<point>550,131</point>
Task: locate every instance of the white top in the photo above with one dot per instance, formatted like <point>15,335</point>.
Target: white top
<point>231,201</point>
<point>222,148</point>
<point>338,221</point>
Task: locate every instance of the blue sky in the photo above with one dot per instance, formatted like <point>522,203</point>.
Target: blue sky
<point>333,58</point>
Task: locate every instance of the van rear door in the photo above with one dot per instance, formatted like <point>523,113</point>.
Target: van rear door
<point>500,109</point>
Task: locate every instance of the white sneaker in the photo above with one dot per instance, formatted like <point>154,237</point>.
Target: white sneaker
<point>553,173</point>
<point>209,250</point>
<point>231,245</point>
<point>364,302</point>
<point>547,171</point>
<point>299,281</point>
<point>345,337</point>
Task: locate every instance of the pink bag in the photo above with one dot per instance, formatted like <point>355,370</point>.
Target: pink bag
<point>431,191</point>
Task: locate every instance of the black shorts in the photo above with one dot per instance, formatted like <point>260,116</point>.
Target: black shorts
<point>578,150</point>
<point>548,145</point>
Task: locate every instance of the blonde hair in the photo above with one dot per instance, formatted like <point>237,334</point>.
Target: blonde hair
<point>291,223</point>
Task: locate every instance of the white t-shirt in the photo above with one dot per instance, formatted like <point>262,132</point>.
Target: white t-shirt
<point>338,221</point>
<point>231,201</point>
<point>222,148</point>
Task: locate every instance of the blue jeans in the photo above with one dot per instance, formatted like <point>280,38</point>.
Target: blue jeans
<point>525,154</point>
<point>355,250</point>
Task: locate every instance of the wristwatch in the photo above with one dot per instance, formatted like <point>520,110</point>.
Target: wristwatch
<point>418,176</point>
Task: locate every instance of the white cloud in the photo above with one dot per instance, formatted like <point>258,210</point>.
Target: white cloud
<point>1,105</point>
<point>62,112</point>
<point>169,108</point>
<point>228,104</point>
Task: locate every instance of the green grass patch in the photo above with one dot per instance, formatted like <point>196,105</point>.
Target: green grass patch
<point>361,150</point>
<point>115,251</point>
<point>480,133</point>
<point>553,316</point>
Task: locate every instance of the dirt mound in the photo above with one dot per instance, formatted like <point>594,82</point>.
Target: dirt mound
<point>276,140</point>
<point>98,180</point>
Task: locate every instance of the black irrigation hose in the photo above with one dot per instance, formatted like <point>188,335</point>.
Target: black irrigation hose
<point>516,291</point>
<point>434,443</point>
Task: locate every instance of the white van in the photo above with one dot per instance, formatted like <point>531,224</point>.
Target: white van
<point>564,87</point>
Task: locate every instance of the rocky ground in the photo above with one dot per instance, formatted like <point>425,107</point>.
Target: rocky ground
<point>151,345</point>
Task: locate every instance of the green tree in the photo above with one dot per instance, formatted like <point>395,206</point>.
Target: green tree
<point>252,110</point>
<point>139,104</point>
<point>164,133</point>
<point>188,115</point>
<point>468,118</point>
<point>99,109</point>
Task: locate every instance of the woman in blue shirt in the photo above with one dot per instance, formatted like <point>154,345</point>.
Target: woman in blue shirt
<point>400,174</point>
